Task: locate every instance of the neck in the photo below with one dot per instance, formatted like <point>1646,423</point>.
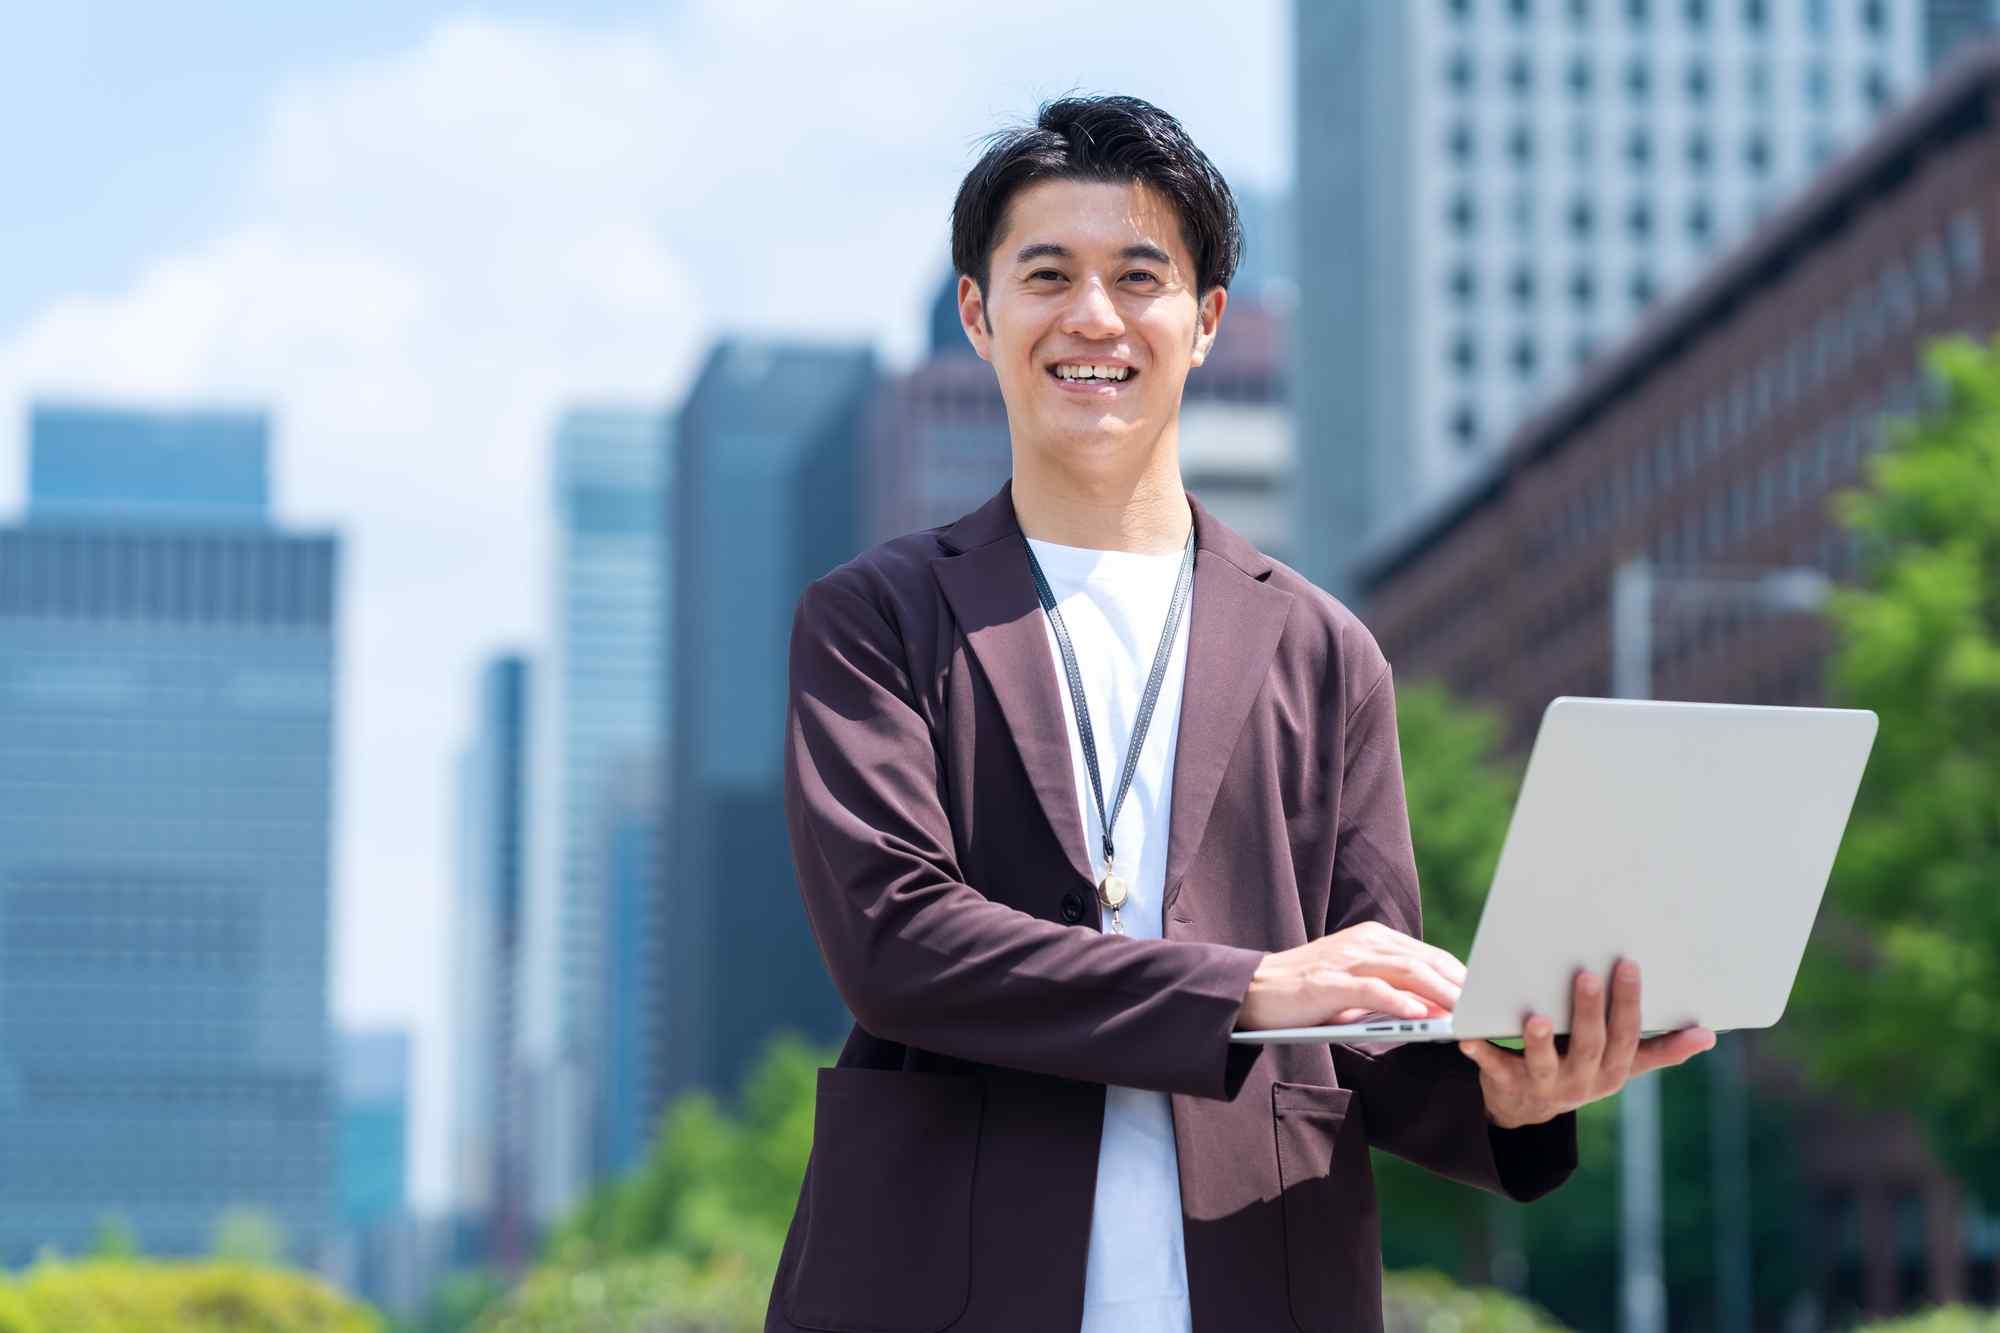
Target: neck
<point>1146,512</point>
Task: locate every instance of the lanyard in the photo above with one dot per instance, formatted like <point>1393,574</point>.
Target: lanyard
<point>1111,889</point>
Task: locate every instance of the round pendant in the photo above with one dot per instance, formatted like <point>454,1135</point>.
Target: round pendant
<point>1111,889</point>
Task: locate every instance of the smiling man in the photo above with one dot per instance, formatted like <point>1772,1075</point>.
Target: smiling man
<point>1081,783</point>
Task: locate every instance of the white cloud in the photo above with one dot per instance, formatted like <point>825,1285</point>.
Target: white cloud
<point>439,248</point>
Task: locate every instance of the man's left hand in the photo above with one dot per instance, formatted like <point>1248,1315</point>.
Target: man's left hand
<point>1537,1083</point>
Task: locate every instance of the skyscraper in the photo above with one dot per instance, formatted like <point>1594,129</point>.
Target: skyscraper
<point>1491,190</point>
<point>598,707</point>
<point>166,721</point>
<point>486,1144</point>
<point>765,502</point>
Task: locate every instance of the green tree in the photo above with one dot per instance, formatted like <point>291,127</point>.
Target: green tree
<point>1905,963</point>
<point>115,1238</point>
<point>249,1235</point>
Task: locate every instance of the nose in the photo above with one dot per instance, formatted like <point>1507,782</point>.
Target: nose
<point>1091,313</point>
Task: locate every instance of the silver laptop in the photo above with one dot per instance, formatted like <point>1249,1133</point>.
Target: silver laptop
<point>1696,838</point>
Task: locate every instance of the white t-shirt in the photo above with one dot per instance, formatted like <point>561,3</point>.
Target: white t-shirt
<point>1114,604</point>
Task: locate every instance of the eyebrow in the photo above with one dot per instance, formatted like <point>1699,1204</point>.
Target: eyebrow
<point>1050,250</point>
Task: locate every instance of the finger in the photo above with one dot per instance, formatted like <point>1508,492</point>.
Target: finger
<point>1413,975</point>
<point>1379,994</point>
<point>1447,964</point>
<point>1539,1050</point>
<point>1586,1024</point>
<point>1672,1048</point>
<point>1622,1039</point>
<point>1504,1065</point>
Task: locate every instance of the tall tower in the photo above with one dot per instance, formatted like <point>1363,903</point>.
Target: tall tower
<point>166,728</point>
<point>1490,191</point>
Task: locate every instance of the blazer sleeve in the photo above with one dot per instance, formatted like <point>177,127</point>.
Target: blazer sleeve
<point>925,959</point>
<point>1420,1100</point>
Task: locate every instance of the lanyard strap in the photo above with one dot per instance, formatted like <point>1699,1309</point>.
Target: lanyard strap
<point>1182,585</point>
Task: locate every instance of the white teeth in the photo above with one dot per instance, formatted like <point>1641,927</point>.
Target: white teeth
<point>1094,372</point>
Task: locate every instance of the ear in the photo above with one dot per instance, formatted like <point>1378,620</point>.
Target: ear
<point>973,319</point>
<point>1208,321</point>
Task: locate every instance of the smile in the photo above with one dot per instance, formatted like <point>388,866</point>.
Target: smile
<point>1092,381</point>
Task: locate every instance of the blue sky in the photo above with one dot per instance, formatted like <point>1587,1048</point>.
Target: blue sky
<point>414,232</point>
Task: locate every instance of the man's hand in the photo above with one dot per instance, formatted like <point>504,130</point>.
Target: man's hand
<point>1339,977</point>
<point>1537,1083</point>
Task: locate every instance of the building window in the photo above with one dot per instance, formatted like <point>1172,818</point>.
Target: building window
<point>1520,74</point>
<point>1643,288</point>
<point>1875,87</point>
<point>1697,81</point>
<point>1465,353</point>
<point>1757,82</point>
<point>1701,222</point>
<point>1458,71</point>
<point>1459,9</point>
<point>1696,12</point>
<point>1582,288</point>
<point>1755,14</point>
<point>1579,12</point>
<point>1819,88</point>
<point>1581,349</point>
<point>1699,150</point>
<point>1637,12</point>
<point>1757,153</point>
<point>1465,426</point>
<point>1460,142</point>
<point>1933,274</point>
<point>1523,357</point>
<point>1464,284</point>
<point>1822,146</point>
<point>1639,219</point>
<point>1638,79</point>
<point>1579,77</point>
<point>1581,218</point>
<point>1522,286</point>
<point>1521,145</point>
<point>1874,17</point>
<point>1521,10</point>
<point>1817,18</point>
<point>1639,146</point>
<point>1463,212</point>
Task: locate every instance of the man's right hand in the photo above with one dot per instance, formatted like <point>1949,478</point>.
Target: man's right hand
<point>1339,977</point>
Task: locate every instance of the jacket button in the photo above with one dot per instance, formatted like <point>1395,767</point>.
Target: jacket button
<point>1072,908</point>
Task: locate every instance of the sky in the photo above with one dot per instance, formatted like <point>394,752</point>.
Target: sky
<point>413,233</point>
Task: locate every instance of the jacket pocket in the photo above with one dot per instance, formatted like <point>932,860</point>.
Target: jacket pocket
<point>1333,1250</point>
<point>888,1228</point>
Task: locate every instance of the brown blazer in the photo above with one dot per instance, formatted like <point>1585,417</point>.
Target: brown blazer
<point>935,830</point>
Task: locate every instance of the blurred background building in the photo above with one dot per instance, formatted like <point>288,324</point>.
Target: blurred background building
<point>1498,190</point>
<point>767,498</point>
<point>372,1167</point>
<point>167,662</point>
<point>598,707</point>
<point>487,1180</point>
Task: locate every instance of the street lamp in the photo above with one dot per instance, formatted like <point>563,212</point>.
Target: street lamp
<point>1636,588</point>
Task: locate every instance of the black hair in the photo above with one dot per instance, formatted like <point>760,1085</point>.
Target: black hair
<point>1105,138</point>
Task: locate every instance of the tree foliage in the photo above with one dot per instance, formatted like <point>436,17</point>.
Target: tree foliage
<point>1899,1000</point>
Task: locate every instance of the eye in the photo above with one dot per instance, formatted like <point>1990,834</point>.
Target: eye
<point>1141,273</point>
<point>1043,272</point>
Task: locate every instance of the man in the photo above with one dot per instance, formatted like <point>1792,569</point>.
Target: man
<point>1065,814</point>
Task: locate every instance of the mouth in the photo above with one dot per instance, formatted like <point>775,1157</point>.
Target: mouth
<point>1093,386</point>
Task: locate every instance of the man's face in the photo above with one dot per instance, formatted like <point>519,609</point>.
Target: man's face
<point>1090,274</point>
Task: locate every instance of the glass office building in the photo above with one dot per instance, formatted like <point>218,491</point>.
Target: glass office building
<point>597,708</point>
<point>166,720</point>
<point>766,500</point>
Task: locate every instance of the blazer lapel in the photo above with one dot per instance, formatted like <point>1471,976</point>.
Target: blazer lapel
<point>992,597</point>
<point>1233,633</point>
<point>1232,637</point>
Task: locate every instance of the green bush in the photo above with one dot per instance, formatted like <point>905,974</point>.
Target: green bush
<point>657,1293</point>
<point>109,1295</point>
<point>1943,1319</point>
<point>1426,1301</point>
